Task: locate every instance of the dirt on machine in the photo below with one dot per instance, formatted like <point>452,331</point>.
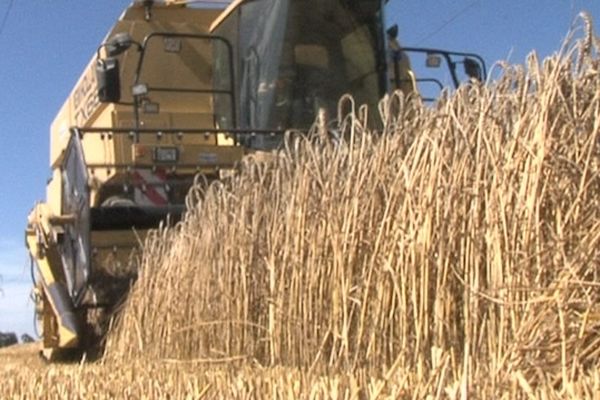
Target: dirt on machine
<point>179,89</point>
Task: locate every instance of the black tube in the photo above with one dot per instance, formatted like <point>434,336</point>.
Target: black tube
<point>130,217</point>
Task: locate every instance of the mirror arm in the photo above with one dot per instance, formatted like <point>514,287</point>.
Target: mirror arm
<point>452,68</point>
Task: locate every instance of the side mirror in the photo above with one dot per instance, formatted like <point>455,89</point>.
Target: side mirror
<point>473,69</point>
<point>118,44</point>
<point>108,80</point>
<point>393,31</point>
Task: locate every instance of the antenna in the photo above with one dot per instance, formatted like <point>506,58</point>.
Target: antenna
<point>449,21</point>
<point>5,18</point>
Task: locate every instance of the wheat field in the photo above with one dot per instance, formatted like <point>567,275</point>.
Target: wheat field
<point>456,254</point>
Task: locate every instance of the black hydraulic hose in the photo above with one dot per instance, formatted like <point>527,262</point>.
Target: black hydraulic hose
<point>36,331</point>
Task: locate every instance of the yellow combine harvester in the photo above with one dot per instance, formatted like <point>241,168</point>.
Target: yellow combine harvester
<point>178,90</point>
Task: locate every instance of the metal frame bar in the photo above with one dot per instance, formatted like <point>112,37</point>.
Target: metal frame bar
<point>447,55</point>
<point>134,134</point>
<point>209,38</point>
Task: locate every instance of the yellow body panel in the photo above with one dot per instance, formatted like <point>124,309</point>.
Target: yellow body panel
<point>83,110</point>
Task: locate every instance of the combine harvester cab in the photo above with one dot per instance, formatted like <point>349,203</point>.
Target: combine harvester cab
<point>175,91</point>
<point>296,57</point>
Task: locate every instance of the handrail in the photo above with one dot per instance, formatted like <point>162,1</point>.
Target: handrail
<point>447,55</point>
<point>135,133</point>
<point>230,91</point>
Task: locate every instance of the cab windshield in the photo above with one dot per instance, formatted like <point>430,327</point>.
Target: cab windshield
<point>294,57</point>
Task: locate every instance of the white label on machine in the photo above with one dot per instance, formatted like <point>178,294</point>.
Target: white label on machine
<point>208,158</point>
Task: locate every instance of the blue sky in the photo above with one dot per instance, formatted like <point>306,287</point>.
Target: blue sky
<point>44,46</point>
